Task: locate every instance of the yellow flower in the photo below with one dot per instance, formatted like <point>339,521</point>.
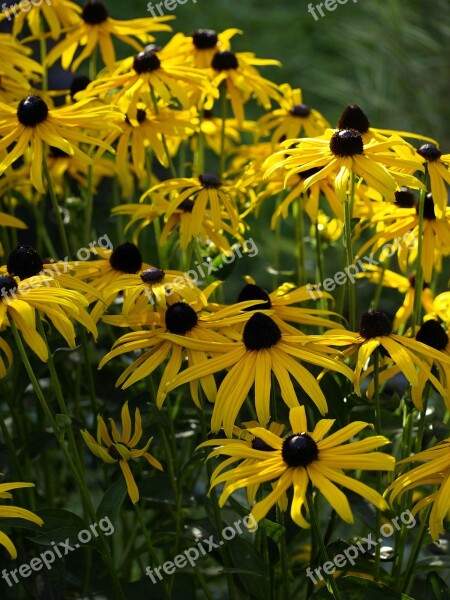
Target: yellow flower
<point>435,472</point>
<point>293,118</point>
<point>237,71</point>
<point>408,355</point>
<point>57,14</point>
<point>342,153</point>
<point>14,512</point>
<point>438,166</point>
<point>262,349</point>
<point>17,69</point>
<point>301,458</point>
<point>32,123</point>
<point>96,28</point>
<point>121,447</point>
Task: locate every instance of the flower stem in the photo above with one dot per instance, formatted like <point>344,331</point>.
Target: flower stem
<point>300,243</point>
<point>405,583</point>
<point>56,210</point>
<point>376,384</point>
<point>417,312</point>
<point>348,205</point>
<point>330,581</point>
<point>282,550</point>
<point>224,110</point>
<point>172,169</point>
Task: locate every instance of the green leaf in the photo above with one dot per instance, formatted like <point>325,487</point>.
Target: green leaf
<point>354,588</point>
<point>437,586</point>
<point>112,500</point>
<point>248,566</point>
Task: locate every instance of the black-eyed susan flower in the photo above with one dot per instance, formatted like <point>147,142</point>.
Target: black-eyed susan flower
<point>180,223</point>
<point>58,15</point>
<point>438,165</point>
<point>95,29</point>
<point>178,331</point>
<point>435,472</point>
<point>21,298</point>
<point>375,334</point>
<point>238,72</point>
<point>207,192</point>
<point>293,119</point>
<point>133,80</point>
<point>198,48</point>
<point>342,153</point>
<point>405,285</point>
<point>14,512</point>
<point>399,223</point>
<point>120,447</point>
<point>302,459</point>
<point>32,123</point>
<point>145,135</point>
<point>262,349</point>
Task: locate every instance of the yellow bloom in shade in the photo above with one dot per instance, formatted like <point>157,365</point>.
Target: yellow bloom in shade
<point>17,69</point>
<point>441,307</point>
<point>293,118</point>
<point>121,447</point>
<point>32,124</point>
<point>14,512</point>
<point>5,365</point>
<point>438,166</point>
<point>262,349</point>
<point>57,14</point>
<point>342,153</point>
<point>10,221</point>
<point>407,354</point>
<point>301,459</point>
<point>96,28</point>
<point>435,472</point>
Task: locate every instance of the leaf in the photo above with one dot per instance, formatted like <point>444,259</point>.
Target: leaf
<point>354,588</point>
<point>248,566</point>
<point>437,587</point>
<point>112,500</point>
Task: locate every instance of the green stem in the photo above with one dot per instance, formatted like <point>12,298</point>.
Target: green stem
<point>348,204</point>
<point>223,111</point>
<point>408,578</point>
<point>77,476</point>
<point>172,169</point>
<point>300,243</point>
<point>282,550</point>
<point>376,384</point>
<point>89,207</point>
<point>417,312</point>
<point>56,210</point>
<point>330,581</point>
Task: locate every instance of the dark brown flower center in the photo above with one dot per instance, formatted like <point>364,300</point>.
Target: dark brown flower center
<point>146,61</point>
<point>429,152</point>
<point>428,208</point>
<point>152,275</point>
<point>404,198</point>
<point>114,453</point>
<point>300,110</point>
<point>260,332</point>
<point>180,318</point>
<point>374,324</point>
<point>204,38</point>
<point>8,285</point>
<point>79,83</point>
<point>210,180</point>
<point>24,262</point>
<point>223,61</point>
<point>32,111</point>
<point>141,115</point>
<point>299,450</point>
<point>126,258</point>
<point>259,444</point>
<point>94,12</point>
<point>347,142</point>
<point>354,118</point>
<point>254,292</point>
<point>433,334</point>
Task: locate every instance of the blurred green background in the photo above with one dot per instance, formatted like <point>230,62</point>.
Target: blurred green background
<point>389,56</point>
